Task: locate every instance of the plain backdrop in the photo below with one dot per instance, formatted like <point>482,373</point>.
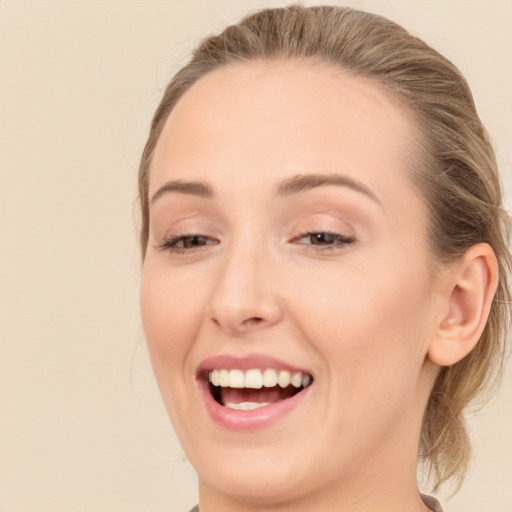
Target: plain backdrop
<point>81,423</point>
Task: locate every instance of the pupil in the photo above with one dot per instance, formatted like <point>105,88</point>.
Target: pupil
<point>323,238</point>
<point>193,241</point>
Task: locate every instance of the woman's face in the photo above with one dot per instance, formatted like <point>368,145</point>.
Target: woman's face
<point>288,242</point>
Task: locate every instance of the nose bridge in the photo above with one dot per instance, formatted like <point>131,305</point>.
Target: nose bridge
<point>243,298</point>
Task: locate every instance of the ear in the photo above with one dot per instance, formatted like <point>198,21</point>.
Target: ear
<point>469,289</point>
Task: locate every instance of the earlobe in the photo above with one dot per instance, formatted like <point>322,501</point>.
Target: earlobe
<point>470,290</point>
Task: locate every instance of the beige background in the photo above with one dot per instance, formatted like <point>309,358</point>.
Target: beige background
<point>81,424</point>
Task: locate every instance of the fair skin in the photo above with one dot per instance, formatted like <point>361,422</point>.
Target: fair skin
<point>330,274</point>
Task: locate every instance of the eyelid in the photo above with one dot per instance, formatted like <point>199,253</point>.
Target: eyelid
<point>324,222</point>
<point>183,220</point>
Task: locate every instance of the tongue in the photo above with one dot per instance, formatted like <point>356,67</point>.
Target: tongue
<point>263,395</point>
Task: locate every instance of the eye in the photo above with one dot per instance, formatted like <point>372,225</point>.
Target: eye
<point>324,240</point>
<point>185,243</point>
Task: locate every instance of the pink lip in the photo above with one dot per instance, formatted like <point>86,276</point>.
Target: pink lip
<point>247,420</point>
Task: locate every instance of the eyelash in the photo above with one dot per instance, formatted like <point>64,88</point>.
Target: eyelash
<point>339,241</point>
<point>171,242</point>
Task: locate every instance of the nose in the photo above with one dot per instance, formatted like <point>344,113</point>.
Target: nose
<point>244,298</point>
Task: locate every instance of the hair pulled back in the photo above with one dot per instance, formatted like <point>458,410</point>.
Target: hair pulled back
<point>458,175</point>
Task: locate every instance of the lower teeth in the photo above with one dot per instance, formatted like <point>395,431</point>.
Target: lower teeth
<point>246,406</point>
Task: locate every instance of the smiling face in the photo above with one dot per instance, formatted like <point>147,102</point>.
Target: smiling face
<point>287,241</point>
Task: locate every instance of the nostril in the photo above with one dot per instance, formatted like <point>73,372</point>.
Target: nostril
<point>243,326</point>
<point>254,320</point>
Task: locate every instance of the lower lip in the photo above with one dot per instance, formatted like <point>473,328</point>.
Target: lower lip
<point>260,418</point>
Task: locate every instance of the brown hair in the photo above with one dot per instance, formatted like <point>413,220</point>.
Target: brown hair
<point>458,175</point>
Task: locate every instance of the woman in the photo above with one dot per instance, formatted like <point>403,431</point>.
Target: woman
<point>324,283</point>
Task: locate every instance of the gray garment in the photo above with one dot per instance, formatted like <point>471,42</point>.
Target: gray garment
<point>430,501</point>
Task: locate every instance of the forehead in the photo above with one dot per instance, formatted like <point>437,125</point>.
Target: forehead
<point>278,118</point>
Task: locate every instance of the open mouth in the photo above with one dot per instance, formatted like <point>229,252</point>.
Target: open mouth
<point>246,390</point>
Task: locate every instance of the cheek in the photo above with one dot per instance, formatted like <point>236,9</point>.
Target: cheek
<point>170,315</point>
<point>370,333</point>
<point>371,322</point>
<point>171,312</point>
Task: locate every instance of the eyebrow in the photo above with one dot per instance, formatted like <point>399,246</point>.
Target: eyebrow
<point>303,182</point>
<point>194,188</point>
<point>288,187</point>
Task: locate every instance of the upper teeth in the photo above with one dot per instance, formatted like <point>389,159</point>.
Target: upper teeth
<point>256,379</point>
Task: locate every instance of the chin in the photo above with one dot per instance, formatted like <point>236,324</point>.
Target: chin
<point>255,481</point>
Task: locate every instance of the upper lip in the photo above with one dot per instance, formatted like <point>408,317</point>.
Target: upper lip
<point>248,362</point>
